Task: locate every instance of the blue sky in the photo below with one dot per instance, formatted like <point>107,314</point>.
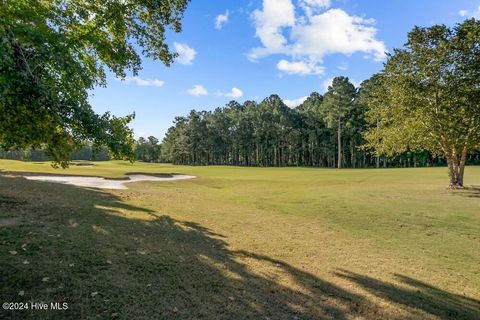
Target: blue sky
<point>247,50</point>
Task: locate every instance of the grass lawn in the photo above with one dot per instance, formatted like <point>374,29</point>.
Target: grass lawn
<point>242,243</point>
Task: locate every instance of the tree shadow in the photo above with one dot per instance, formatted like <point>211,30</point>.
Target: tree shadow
<point>419,295</point>
<point>109,259</point>
<point>469,192</point>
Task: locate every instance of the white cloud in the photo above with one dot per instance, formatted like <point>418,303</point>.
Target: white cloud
<point>144,82</point>
<point>308,38</point>
<point>336,32</point>
<point>234,93</point>
<point>275,15</point>
<point>295,102</point>
<point>318,3</point>
<point>186,55</point>
<point>299,67</point>
<point>197,90</point>
<point>312,6</point>
<point>470,14</point>
<point>221,19</point>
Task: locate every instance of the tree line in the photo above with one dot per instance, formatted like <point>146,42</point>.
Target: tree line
<point>269,133</point>
<point>144,149</point>
<point>87,152</point>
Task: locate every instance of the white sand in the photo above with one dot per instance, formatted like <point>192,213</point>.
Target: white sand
<point>101,183</point>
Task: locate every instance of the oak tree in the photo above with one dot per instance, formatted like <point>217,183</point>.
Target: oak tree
<point>53,52</point>
<point>431,96</point>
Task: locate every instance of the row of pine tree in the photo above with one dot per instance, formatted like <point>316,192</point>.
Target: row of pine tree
<point>323,131</point>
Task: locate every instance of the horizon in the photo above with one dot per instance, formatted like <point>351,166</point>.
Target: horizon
<point>223,47</point>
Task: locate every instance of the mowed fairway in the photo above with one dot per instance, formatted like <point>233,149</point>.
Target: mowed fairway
<point>242,243</point>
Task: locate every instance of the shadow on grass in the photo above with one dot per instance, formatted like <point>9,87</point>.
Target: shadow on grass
<point>469,192</point>
<point>109,259</point>
<point>419,295</point>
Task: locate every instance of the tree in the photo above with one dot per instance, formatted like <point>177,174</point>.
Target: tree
<point>53,52</point>
<point>141,149</point>
<point>311,125</point>
<point>147,150</point>
<point>337,104</point>
<point>219,142</point>
<point>153,149</point>
<point>431,94</point>
<point>371,95</point>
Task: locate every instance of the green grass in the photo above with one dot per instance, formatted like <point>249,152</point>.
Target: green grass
<point>239,243</point>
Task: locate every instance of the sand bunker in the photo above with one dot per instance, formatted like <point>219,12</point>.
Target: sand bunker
<point>102,183</point>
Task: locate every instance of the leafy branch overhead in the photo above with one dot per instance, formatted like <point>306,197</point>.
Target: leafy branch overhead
<point>53,52</point>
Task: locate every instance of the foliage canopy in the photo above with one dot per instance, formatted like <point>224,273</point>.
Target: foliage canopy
<point>427,96</point>
<point>53,52</point>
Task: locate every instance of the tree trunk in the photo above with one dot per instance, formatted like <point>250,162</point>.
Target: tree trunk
<point>461,167</point>
<point>456,167</point>
<point>352,150</point>
<point>339,161</point>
